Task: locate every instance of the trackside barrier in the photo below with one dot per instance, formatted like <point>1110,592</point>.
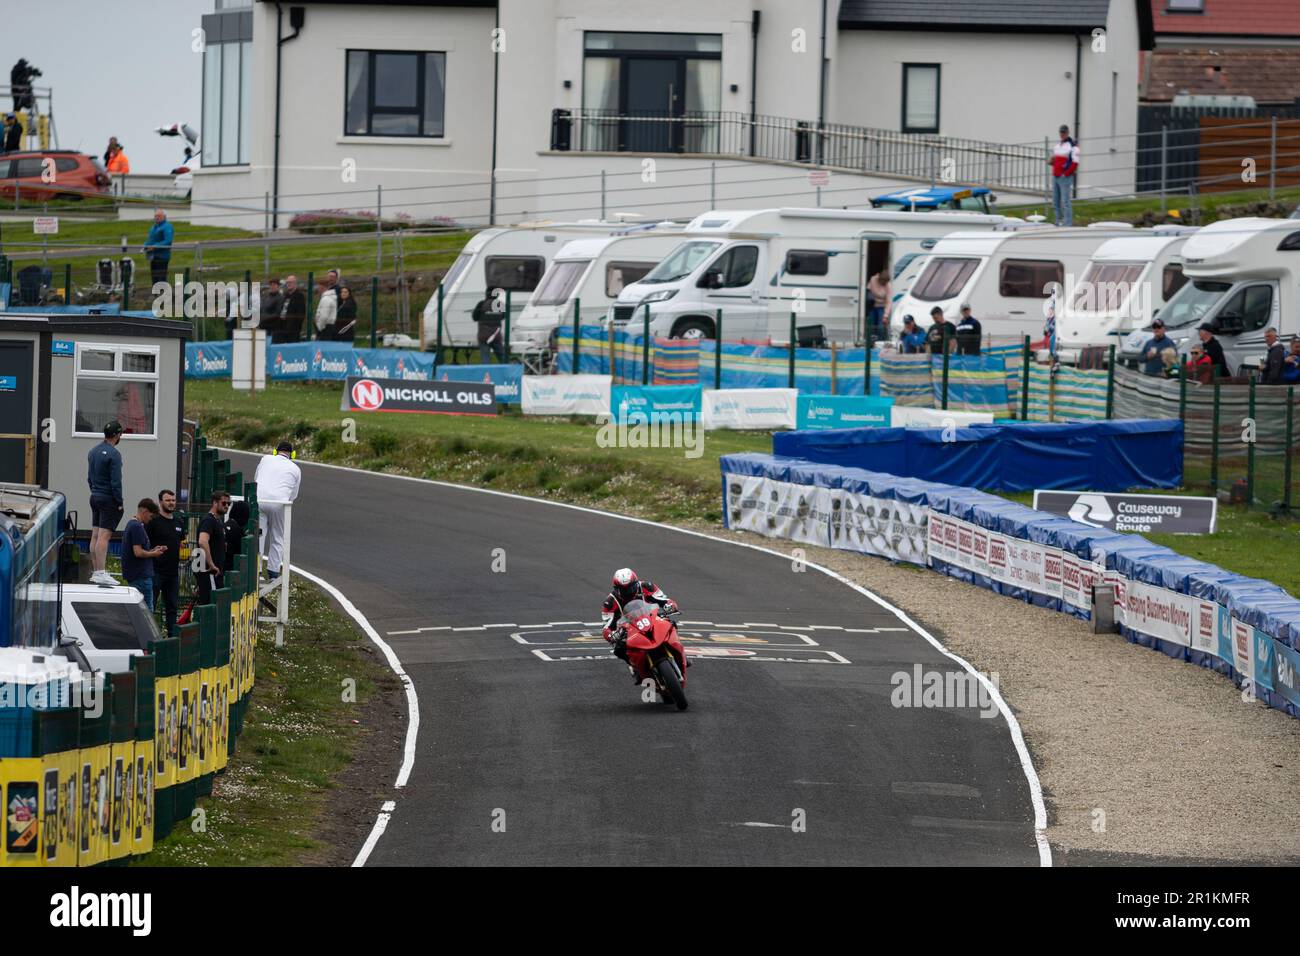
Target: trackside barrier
<point>313,361</point>
<point>85,785</point>
<point>1245,628</point>
<point>1016,456</point>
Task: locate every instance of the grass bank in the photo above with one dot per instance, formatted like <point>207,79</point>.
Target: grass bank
<point>272,803</point>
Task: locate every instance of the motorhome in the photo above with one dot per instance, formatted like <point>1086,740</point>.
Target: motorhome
<point>587,275</point>
<point>1007,275</point>
<point>757,267</point>
<point>1128,280</point>
<point>512,259</point>
<point>1243,276</point>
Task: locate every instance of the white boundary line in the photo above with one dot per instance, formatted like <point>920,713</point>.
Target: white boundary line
<point>412,707</point>
<point>1017,737</point>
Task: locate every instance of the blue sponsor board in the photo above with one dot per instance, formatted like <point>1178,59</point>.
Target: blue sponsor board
<point>8,383</point>
<point>1285,677</point>
<point>311,361</point>
<point>506,378</point>
<point>652,403</point>
<point>207,359</point>
<point>63,347</point>
<point>843,411</point>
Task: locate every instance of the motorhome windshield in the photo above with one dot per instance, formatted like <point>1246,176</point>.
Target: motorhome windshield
<point>460,265</point>
<point>1106,285</point>
<point>943,278</point>
<point>681,262</point>
<point>558,284</point>
<point>1192,303</point>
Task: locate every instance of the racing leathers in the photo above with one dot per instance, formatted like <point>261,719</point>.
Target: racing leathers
<point>612,613</point>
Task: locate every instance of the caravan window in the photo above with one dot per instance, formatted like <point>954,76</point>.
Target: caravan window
<point>737,266</point>
<point>514,273</point>
<point>944,278</point>
<point>115,382</point>
<point>460,265</point>
<point>1190,304</point>
<point>1253,304</point>
<point>620,274</point>
<point>807,262</point>
<point>1105,286</point>
<point>559,282</point>
<point>1172,280</point>
<point>681,262</point>
<point>1029,278</point>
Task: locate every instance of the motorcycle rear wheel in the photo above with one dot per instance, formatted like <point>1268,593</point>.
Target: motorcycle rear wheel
<point>669,682</point>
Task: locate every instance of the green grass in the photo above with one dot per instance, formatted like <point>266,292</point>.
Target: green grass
<point>1211,207</point>
<point>298,735</point>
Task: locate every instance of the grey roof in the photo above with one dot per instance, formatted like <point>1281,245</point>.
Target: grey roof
<point>1031,16</point>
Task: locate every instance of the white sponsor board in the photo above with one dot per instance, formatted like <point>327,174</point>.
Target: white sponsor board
<point>565,394</point>
<point>907,416</point>
<point>1160,612</point>
<point>45,225</point>
<point>882,526</point>
<point>756,408</point>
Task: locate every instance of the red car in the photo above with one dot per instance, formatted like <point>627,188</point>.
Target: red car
<point>74,175</point>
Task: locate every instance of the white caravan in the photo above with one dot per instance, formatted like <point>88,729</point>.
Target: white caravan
<point>1128,280</point>
<point>756,267</point>
<point>1243,276</point>
<point>588,274</point>
<point>512,259</point>
<point>1005,274</point>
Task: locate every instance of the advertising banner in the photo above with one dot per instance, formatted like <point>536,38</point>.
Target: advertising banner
<point>506,378</point>
<point>208,359</point>
<point>396,395</point>
<point>1174,514</point>
<point>752,408</point>
<point>653,403</point>
<point>843,411</point>
<point>565,394</point>
<point>1160,613</point>
<point>910,416</point>
<point>881,526</point>
<point>779,509</point>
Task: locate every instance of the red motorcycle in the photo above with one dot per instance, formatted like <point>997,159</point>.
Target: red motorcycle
<point>654,651</point>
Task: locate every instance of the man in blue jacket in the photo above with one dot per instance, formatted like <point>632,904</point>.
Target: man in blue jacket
<point>158,247</point>
<point>104,474</point>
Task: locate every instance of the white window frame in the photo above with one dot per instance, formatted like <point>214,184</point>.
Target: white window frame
<point>118,349</point>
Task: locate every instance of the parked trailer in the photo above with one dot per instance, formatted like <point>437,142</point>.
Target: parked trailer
<point>756,267</point>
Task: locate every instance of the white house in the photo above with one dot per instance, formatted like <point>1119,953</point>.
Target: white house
<point>479,110</point>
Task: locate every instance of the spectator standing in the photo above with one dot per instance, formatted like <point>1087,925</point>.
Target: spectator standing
<point>490,339</point>
<point>109,150</point>
<point>1275,361</point>
<point>236,528</point>
<point>167,529</point>
<point>1152,363</point>
<point>935,335</point>
<point>326,310</point>
<point>138,555</point>
<point>158,247</point>
<point>1214,350</point>
<point>212,543</point>
<point>968,332</point>
<point>13,133</point>
<point>1065,164</point>
<point>913,339</point>
<point>118,164</point>
<point>272,306</point>
<point>882,302</point>
<point>293,313</point>
<point>1291,364</point>
<point>1199,367</point>
<point>346,323</point>
<point>278,479</point>
<point>104,475</point>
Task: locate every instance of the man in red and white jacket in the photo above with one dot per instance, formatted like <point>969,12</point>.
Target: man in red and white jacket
<point>1065,163</point>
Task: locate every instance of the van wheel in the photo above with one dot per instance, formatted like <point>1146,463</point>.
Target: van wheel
<point>693,329</point>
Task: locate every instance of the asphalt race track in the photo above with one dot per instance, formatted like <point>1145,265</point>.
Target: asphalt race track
<point>534,746</point>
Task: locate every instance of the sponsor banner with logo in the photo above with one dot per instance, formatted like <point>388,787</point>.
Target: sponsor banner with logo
<point>843,411</point>
<point>566,394</point>
<point>1285,679</point>
<point>891,529</point>
<point>362,394</point>
<point>312,361</point>
<point>753,408</point>
<point>505,378</point>
<point>779,509</point>
<point>1159,612</point>
<point>208,359</point>
<point>1141,514</point>
<point>912,416</point>
<point>653,403</point>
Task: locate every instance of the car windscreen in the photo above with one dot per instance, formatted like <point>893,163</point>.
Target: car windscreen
<point>558,283</point>
<point>943,278</point>
<point>116,626</point>
<point>1192,303</point>
<point>681,262</point>
<point>1106,285</point>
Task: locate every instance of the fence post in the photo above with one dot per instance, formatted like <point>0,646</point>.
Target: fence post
<point>67,287</point>
<point>602,195</point>
<point>577,333</point>
<point>1214,446</point>
<point>713,186</point>
<point>1272,161</point>
<point>792,337</point>
<point>437,342</point>
<point>834,361</point>
<point>1250,449</point>
<point>1024,382</point>
<point>505,331</point>
<point>1110,383</point>
<point>1164,167</point>
<point>1047,175</point>
<point>945,367</point>
<point>866,370</point>
<point>717,352</point>
<point>379,228</point>
<point>374,311</point>
<point>645,348</point>
<point>309,323</point>
<point>1290,434</point>
<point>1182,392</point>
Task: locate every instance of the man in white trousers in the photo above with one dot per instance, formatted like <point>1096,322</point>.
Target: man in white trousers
<point>278,478</point>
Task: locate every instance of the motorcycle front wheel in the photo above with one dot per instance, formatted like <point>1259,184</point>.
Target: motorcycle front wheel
<point>667,673</point>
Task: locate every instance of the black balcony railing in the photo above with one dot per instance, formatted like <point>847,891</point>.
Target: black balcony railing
<point>860,148</point>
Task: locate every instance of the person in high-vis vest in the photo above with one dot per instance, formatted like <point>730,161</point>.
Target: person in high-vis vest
<point>1065,164</point>
<point>278,478</point>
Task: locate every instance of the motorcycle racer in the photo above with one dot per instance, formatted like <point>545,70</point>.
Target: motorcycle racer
<point>627,587</point>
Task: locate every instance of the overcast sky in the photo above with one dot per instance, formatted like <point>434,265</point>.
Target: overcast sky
<point>117,69</point>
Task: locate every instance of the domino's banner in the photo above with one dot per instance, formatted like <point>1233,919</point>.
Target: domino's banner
<point>313,361</point>
<point>565,394</point>
<point>655,403</point>
<point>843,411</point>
<point>750,408</point>
<point>506,378</point>
<point>208,359</point>
<point>393,363</point>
